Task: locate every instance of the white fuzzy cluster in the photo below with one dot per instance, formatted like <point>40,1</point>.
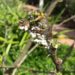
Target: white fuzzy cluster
<point>23,28</point>
<point>38,38</point>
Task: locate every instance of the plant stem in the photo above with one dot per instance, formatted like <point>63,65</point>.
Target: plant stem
<point>24,58</point>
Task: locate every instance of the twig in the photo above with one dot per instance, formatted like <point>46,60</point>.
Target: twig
<point>23,59</point>
<point>52,51</point>
<point>38,71</point>
<point>52,6</point>
<point>56,60</point>
<point>4,66</point>
<point>68,19</point>
<point>31,69</point>
<point>23,53</point>
<point>20,59</point>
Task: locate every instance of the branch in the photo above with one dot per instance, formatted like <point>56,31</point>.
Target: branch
<point>31,70</point>
<point>56,60</point>
<point>23,59</point>
<point>20,59</point>
<point>52,6</point>
<point>68,19</point>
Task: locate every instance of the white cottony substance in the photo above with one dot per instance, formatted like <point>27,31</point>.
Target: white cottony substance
<point>44,42</point>
<point>35,27</point>
<point>26,28</point>
<point>41,40</point>
<point>38,38</point>
<point>33,34</point>
<point>21,27</point>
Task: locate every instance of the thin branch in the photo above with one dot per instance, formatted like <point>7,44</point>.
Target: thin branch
<point>23,53</point>
<point>56,60</point>
<point>52,6</point>
<point>68,19</point>
<point>31,69</point>
<point>23,59</point>
<point>19,61</point>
